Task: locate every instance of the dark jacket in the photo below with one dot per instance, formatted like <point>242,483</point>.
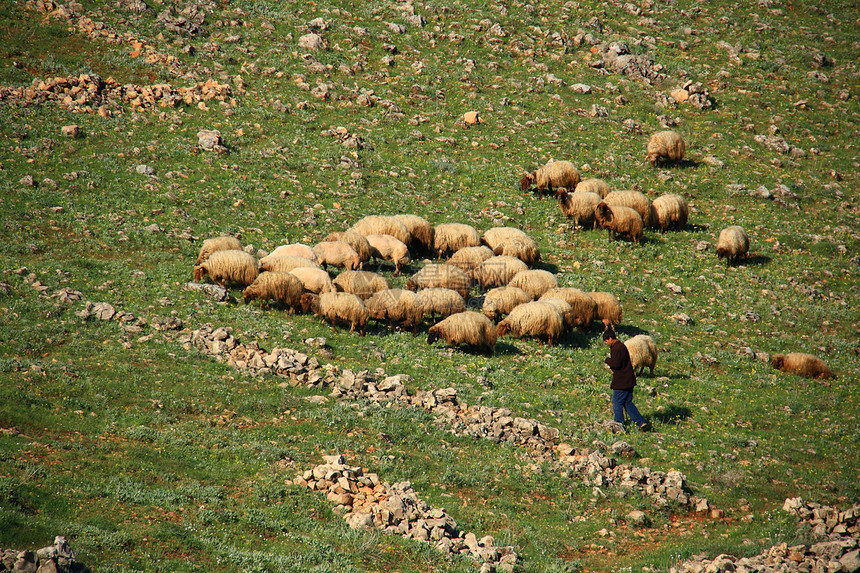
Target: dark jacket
<point>623,376</point>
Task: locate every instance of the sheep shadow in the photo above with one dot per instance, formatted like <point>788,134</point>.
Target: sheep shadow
<point>629,330</point>
<point>755,260</point>
<point>672,415</point>
<point>695,228</point>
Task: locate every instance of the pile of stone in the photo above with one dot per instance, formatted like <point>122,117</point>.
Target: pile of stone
<point>365,502</point>
<point>56,558</point>
<point>694,93</point>
<point>616,57</point>
<point>825,520</point>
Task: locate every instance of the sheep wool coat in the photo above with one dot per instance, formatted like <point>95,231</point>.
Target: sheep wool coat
<point>623,376</point>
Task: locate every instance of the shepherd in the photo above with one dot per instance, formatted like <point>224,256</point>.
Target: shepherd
<point>623,381</point>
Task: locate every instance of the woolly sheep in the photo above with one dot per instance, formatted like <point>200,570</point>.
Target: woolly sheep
<point>498,271</point>
<point>230,266</point>
<point>444,276</point>
<point>668,145</point>
<point>636,200</point>
<point>495,236</point>
<point>421,230</point>
<point>382,225</point>
<point>451,237</point>
<point>551,176</point>
<point>578,206</point>
<point>295,250</point>
<point>608,308</point>
<point>584,307</point>
<point>314,280</point>
<point>363,284</point>
<point>468,258</point>
<point>217,244</point>
<point>525,249</point>
<point>469,328</point>
<point>535,282</point>
<point>441,301</point>
<point>357,242</point>
<point>619,221</point>
<point>538,319</point>
<point>500,301</point>
<point>279,287</point>
<point>669,211</point>
<point>397,306</point>
<point>564,309</point>
<point>733,244</point>
<point>390,249</point>
<point>593,185</point>
<point>338,254</point>
<point>802,364</point>
<point>286,264</point>
<point>643,352</point>
<point>338,306</point>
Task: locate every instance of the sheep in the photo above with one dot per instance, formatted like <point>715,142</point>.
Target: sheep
<point>801,364</point>
<point>338,306</point>
<point>500,301</point>
<point>451,237</point>
<point>444,276</point>
<point>669,211</point>
<point>468,258</point>
<point>441,301</point>
<point>643,352</point>
<point>469,328</point>
<point>286,264</point>
<point>535,282</point>
<point>217,244</point>
<point>363,284</point>
<point>525,249</point>
<point>667,145</point>
<point>397,306</point>
<point>636,200</point>
<point>619,221</point>
<point>495,236</point>
<point>357,242</point>
<point>578,206</point>
<point>584,307</point>
<point>593,185</point>
<point>564,309</point>
<point>229,266</point>
<point>278,287</point>
<point>390,249</point>
<point>421,230</point>
<point>608,308</point>
<point>498,271</point>
<point>733,244</point>
<point>551,176</point>
<point>382,225</point>
<point>314,280</point>
<point>338,254</point>
<point>538,319</point>
<point>295,250</point>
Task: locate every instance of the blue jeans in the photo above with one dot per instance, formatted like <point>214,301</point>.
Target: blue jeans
<point>623,400</point>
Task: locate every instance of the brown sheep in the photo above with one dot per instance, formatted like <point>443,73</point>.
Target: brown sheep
<point>439,301</point>
<point>564,309</point>
<point>382,225</point>
<point>390,249</point>
<point>525,249</point>
<point>358,243</point>
<point>551,176</point>
<point>314,280</point>
<point>338,306</point>
<point>469,329</point>
<point>619,221</point>
<point>578,206</point>
<point>397,306</point>
<point>593,185</point>
<point>338,254</point>
<point>643,352</point>
<point>279,287</point>
<point>608,308</point>
<point>636,200</point>
<point>495,236</point>
<point>535,282</point>
<point>217,244</point>
<point>500,301</point>
<point>443,276</point>
<point>363,284</point>
<point>669,211</point>
<point>498,271</point>
<point>295,250</point>
<point>229,267</point>
<point>421,230</point>
<point>801,364</point>
<point>451,237</point>
<point>285,264</point>
<point>468,258</point>
<point>733,244</point>
<point>538,319</point>
<point>584,306</point>
<point>668,145</point>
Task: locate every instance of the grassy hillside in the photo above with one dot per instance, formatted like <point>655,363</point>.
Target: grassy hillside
<point>152,457</point>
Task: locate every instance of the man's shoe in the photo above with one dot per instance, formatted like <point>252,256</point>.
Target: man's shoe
<point>645,427</point>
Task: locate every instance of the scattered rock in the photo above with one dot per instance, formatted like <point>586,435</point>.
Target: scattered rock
<point>71,130</point>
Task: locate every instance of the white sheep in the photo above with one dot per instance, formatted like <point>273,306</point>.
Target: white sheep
<point>643,352</point>
<point>338,254</point>
<point>468,258</point>
<point>382,225</point>
<point>593,185</point>
<point>444,276</point>
<point>285,264</point>
<point>397,306</point>
<point>525,249</point>
<point>500,301</point>
<point>538,319</point>
<point>668,145</point>
<point>390,249</point>
<point>619,221</point>
<point>535,282</point>
<point>278,287</point>
<point>314,280</point>
<point>578,206</point>
<point>338,307</point>
<point>421,230</point>
<point>636,200</point>
<point>224,243</point>
<point>551,176</point>
<point>669,211</point>
<point>469,328</point>
<point>608,308</point>
<point>584,307</point>
<point>564,309</point>
<point>495,236</point>
<point>295,250</point>
<point>229,267</point>
<point>451,237</point>
<point>361,283</point>
<point>733,244</point>
<point>357,242</point>
<point>498,271</point>
<point>440,301</point>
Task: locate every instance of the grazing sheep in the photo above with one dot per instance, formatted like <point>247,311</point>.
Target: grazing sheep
<point>314,280</point>
<point>669,211</point>
<point>363,284</point>
<point>390,249</point>
<point>500,301</point>
<point>357,242</point>
<point>525,249</point>
<point>295,250</point>
<point>217,244</point>
<point>619,221</point>
<point>535,282</point>
<point>439,301</point>
<point>498,271</point>
<point>584,307</point>
<point>733,244</point>
<point>421,230</point>
<point>397,306</point>
<point>451,237</point>
<point>468,258</point>
<point>538,319</point>
<point>495,236</point>
<point>643,352</point>
<point>230,266</point>
<point>338,254</point>
<point>564,309</point>
<point>285,264</point>
<point>608,308</point>
<point>442,276</point>
<point>636,200</point>
<point>382,225</point>
<point>578,206</point>
<point>279,287</point>
<point>593,185</point>
<point>469,328</point>
<point>551,176</point>
<point>802,364</point>
<point>338,306</point>
<point>668,145</point>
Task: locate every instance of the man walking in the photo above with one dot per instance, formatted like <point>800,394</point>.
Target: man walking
<point>623,381</point>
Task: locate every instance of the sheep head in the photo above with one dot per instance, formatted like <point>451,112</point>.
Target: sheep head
<point>432,336</point>
<point>199,271</point>
<point>410,285</point>
<point>777,361</point>
<point>503,329</point>
<point>527,181</point>
<point>310,302</point>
